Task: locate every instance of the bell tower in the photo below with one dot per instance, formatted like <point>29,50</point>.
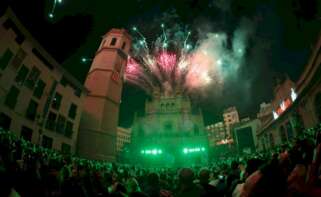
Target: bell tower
<point>98,127</point>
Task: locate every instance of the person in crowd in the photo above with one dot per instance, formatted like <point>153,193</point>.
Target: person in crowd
<point>186,187</point>
<point>132,185</point>
<point>209,190</point>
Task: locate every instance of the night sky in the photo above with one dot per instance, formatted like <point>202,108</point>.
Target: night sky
<point>282,34</point>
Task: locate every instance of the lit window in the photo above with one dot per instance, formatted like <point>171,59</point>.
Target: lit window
<point>293,95</point>
<point>275,115</point>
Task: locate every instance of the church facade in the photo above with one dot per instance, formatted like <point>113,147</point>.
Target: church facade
<point>171,129</point>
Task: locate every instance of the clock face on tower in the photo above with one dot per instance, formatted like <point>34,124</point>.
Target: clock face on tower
<point>115,76</point>
<point>116,73</point>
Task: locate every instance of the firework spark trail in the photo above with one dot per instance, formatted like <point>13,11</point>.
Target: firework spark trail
<point>152,67</point>
<point>185,41</point>
<point>165,37</point>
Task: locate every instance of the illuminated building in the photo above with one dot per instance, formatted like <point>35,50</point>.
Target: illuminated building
<point>230,116</point>
<point>171,124</point>
<point>216,134</point>
<point>296,105</point>
<point>123,138</point>
<point>98,128</point>
<point>39,100</point>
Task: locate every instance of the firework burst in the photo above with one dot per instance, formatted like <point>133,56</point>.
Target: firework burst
<point>168,65</point>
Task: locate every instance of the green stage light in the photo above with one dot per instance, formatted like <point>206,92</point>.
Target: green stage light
<point>185,150</point>
<point>152,152</point>
<point>192,150</point>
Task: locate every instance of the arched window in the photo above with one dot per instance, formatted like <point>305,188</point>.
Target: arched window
<point>317,106</point>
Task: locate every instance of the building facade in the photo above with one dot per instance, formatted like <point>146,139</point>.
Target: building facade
<point>39,100</point>
<point>217,134</point>
<point>230,116</point>
<point>123,138</point>
<point>296,105</point>
<point>172,126</point>
<point>98,128</point>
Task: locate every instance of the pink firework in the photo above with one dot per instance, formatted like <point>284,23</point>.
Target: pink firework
<point>133,68</point>
<point>198,74</point>
<point>167,62</point>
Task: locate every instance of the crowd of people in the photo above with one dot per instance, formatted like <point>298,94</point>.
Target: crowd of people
<point>291,170</point>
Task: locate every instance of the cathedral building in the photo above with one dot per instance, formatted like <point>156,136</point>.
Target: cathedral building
<point>171,129</point>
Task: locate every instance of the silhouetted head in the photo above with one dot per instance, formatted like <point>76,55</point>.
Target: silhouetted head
<point>153,179</point>
<point>204,176</point>
<point>186,176</point>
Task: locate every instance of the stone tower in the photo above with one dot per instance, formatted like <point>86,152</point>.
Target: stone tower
<point>97,134</point>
